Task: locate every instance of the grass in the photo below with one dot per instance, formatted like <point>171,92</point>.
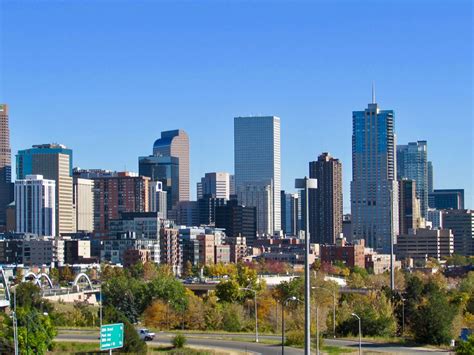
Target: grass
<point>336,350</point>
<point>63,348</point>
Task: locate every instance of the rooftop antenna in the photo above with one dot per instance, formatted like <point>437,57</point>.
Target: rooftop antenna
<point>373,92</point>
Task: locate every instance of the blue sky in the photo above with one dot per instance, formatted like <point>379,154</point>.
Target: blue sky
<point>106,77</point>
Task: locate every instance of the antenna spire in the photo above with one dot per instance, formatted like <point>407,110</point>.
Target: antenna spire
<point>373,92</point>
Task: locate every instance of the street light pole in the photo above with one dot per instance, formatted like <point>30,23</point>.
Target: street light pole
<point>293,298</point>
<point>360,333</point>
<point>307,184</point>
<point>256,314</point>
<point>317,329</point>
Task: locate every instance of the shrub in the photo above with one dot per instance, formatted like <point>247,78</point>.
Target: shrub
<point>295,338</point>
<point>179,341</point>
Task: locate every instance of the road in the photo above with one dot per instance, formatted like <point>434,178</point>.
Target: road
<point>243,343</point>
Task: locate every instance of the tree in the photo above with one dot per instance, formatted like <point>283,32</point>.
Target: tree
<point>228,291</point>
<point>466,347</point>
<point>35,330</point>
<point>433,320</point>
<point>188,269</point>
<point>132,342</point>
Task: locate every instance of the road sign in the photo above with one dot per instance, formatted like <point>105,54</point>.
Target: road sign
<point>111,336</point>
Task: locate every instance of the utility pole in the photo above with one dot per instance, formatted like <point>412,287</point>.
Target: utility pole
<point>307,184</point>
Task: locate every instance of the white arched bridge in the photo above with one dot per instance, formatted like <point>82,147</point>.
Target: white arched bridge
<point>81,289</point>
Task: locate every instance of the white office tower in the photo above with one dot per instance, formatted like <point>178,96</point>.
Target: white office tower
<point>257,159</point>
<point>157,199</point>
<point>35,201</point>
<point>259,195</point>
<point>215,184</point>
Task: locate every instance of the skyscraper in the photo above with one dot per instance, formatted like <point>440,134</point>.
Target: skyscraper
<point>257,158</point>
<point>176,144</point>
<point>409,206</point>
<point>412,163</point>
<point>430,178</point>
<point>35,205</point>
<point>215,184</point>
<point>54,162</point>
<point>6,187</point>
<point>325,202</point>
<point>374,189</point>
<point>461,222</point>
<point>290,213</point>
<point>164,170</point>
<point>158,199</point>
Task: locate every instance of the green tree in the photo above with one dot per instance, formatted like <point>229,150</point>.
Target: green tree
<point>466,347</point>
<point>433,319</point>
<point>35,330</point>
<point>228,291</point>
<point>132,342</point>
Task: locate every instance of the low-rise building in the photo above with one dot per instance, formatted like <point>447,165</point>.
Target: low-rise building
<point>421,244</point>
<point>350,254</point>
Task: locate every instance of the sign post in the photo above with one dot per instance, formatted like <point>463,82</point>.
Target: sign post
<point>111,336</point>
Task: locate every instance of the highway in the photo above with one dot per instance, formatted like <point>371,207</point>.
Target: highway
<point>244,343</point>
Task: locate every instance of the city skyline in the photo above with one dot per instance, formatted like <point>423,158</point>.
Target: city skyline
<point>294,87</point>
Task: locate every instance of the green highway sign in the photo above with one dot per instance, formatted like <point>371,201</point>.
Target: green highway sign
<point>111,336</point>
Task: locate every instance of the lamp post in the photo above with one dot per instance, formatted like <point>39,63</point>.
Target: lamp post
<point>360,333</point>
<point>293,298</point>
<point>403,316</point>
<point>333,307</point>
<point>307,184</point>
<point>256,315</point>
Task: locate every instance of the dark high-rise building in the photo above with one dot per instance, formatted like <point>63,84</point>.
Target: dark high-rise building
<point>412,163</point>
<point>447,199</point>
<point>176,144</point>
<point>237,220</point>
<point>430,178</point>
<point>461,223</point>
<point>374,188</point>
<point>207,205</point>
<point>290,213</point>
<point>325,202</point>
<point>165,170</point>
<point>409,206</point>
<point>6,186</point>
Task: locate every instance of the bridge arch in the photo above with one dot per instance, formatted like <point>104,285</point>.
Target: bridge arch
<point>28,274</point>
<point>43,275</point>
<point>80,276</point>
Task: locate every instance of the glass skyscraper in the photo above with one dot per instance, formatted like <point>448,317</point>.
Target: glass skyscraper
<point>257,158</point>
<point>374,189</point>
<point>412,164</point>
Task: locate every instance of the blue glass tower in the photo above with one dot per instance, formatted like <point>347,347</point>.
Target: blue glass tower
<point>374,188</point>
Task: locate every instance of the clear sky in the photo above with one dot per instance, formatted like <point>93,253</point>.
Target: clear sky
<point>106,77</point>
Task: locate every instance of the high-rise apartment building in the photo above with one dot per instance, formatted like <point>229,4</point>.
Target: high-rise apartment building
<point>53,162</point>
<point>113,195</point>
<point>6,187</point>
<point>83,200</point>
<point>409,206</point>
<point>412,163</point>
<point>374,188</point>
<point>176,144</point>
<point>325,202</point>
<point>35,200</point>
<point>445,199</point>
<point>289,213</point>
<point>215,184</point>
<point>257,159</point>
<point>461,222</point>
<point>207,205</point>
